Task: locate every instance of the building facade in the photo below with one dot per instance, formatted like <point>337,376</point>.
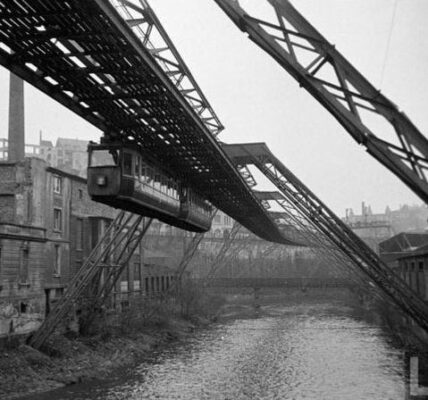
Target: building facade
<point>372,228</point>
<point>48,227</point>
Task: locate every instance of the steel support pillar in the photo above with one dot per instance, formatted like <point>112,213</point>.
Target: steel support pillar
<point>220,257</point>
<point>99,273</point>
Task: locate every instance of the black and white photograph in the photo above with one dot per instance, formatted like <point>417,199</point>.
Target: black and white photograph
<point>213,200</point>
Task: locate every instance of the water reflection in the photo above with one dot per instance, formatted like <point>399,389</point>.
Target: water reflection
<point>305,352</point>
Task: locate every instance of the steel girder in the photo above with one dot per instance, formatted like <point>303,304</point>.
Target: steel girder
<point>326,74</point>
<point>99,273</point>
<point>301,199</point>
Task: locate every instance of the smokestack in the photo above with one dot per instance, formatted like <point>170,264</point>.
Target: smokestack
<point>16,148</point>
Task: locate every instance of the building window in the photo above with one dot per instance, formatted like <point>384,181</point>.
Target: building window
<point>79,234</point>
<point>23,265</point>
<point>57,184</point>
<point>80,192</point>
<point>57,260</point>
<point>57,219</point>
<point>217,219</point>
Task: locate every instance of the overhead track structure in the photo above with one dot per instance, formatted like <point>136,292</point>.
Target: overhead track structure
<point>326,74</point>
<point>87,57</point>
<point>303,202</point>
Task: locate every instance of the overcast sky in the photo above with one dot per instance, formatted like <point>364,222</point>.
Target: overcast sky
<point>258,101</point>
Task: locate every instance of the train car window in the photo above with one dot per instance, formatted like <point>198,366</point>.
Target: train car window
<point>185,194</point>
<point>103,158</point>
<point>149,172</point>
<point>127,163</point>
<point>143,172</point>
<point>137,167</point>
<point>164,188</point>
<point>170,188</point>
<point>157,181</point>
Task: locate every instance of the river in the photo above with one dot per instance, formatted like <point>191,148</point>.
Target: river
<point>305,350</point>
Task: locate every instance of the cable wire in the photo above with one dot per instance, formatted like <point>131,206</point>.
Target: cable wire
<point>388,44</point>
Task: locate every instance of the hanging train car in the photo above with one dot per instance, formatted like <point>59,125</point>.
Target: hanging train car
<point>119,176</point>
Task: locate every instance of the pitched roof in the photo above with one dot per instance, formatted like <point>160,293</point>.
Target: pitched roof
<point>403,242</point>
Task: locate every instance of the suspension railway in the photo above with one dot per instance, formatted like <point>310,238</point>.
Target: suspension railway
<point>98,59</point>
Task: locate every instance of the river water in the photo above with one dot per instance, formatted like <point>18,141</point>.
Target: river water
<point>301,351</point>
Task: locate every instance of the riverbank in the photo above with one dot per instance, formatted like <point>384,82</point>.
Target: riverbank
<point>25,370</point>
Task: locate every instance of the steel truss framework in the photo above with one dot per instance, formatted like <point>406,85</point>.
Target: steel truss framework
<point>97,277</point>
<point>300,200</point>
<point>190,251</point>
<point>220,258</point>
<point>320,244</point>
<point>318,67</point>
<point>145,24</point>
<point>87,57</point>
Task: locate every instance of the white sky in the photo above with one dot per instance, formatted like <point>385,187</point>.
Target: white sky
<point>258,101</point>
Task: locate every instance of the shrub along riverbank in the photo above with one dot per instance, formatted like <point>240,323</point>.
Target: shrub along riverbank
<point>114,341</point>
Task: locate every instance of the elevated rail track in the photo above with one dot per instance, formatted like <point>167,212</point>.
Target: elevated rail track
<point>87,57</point>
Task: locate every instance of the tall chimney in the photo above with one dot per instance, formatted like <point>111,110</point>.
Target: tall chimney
<point>16,148</point>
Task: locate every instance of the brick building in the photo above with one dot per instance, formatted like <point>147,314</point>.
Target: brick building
<point>48,226</point>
